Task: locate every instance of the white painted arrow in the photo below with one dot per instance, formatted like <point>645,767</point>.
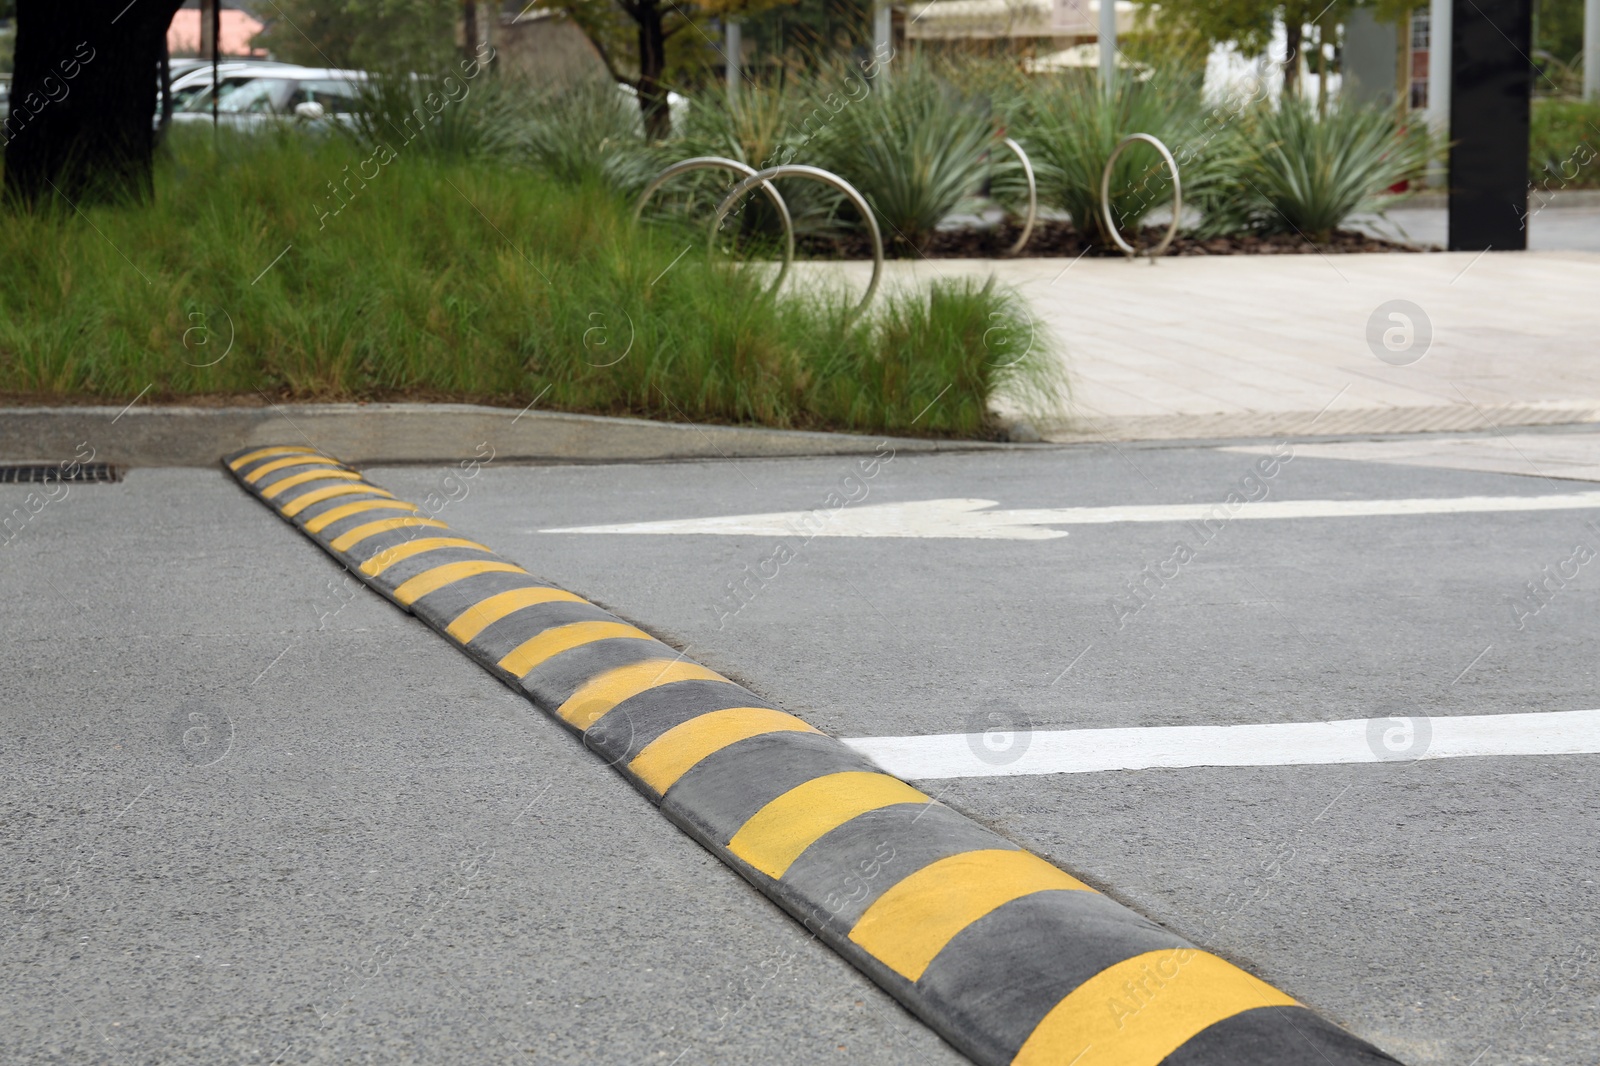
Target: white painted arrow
<point>969,518</point>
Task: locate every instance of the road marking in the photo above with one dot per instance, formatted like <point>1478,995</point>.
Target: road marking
<point>970,518</point>
<point>1359,740</point>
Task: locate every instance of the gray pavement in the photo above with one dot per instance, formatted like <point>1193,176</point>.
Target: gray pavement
<point>234,836</point>
<point>396,860</point>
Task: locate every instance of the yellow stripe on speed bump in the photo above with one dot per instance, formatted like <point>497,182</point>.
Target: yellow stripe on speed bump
<point>910,923</point>
<point>294,460</point>
<point>521,660</point>
<point>668,757</point>
<point>277,488</point>
<point>433,580</point>
<point>306,499</point>
<point>594,698</point>
<point>1177,993</point>
<point>485,613</point>
<point>262,453</point>
<point>776,834</point>
<point>403,551</point>
<point>333,514</point>
<point>347,540</point>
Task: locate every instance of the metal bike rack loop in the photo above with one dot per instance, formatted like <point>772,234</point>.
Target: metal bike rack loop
<point>744,170</point>
<point>796,170</point>
<point>1033,197</point>
<point>1177,196</point>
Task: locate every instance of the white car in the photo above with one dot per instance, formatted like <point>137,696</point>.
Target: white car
<point>191,77</point>
<point>258,94</point>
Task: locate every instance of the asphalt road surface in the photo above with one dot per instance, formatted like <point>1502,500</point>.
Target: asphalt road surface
<point>253,813</point>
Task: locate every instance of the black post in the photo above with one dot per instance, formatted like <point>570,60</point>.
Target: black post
<point>1491,80</point>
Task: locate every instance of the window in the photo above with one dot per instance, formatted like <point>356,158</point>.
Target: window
<point>243,95</point>
<point>337,97</point>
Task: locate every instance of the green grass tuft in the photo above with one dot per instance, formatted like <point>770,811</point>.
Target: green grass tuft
<point>413,274</point>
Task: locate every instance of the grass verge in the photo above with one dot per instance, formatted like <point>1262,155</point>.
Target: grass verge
<point>277,268</point>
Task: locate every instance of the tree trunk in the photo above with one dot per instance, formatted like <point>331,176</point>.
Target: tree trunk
<point>469,29</point>
<point>652,65</point>
<point>83,99</point>
<point>1293,36</point>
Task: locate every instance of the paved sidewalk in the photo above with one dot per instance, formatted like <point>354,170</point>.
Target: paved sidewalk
<point>1242,346</point>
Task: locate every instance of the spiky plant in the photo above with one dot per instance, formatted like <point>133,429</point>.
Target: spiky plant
<point>763,127</point>
<point>587,132</point>
<point>1071,126</point>
<point>913,145</point>
<point>1314,172</point>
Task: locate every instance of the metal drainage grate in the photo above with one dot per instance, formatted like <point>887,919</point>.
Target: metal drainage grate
<point>23,473</point>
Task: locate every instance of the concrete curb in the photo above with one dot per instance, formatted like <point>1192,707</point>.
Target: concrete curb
<point>1009,958</point>
<point>405,432</point>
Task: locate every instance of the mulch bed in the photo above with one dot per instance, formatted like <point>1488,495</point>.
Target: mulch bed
<point>1059,239</point>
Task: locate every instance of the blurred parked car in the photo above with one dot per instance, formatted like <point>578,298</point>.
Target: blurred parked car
<point>256,95</point>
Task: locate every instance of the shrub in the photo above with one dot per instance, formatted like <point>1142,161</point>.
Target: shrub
<point>914,146</point>
<point>460,279</point>
<point>1070,127</point>
<point>764,128</point>
<point>1564,142</point>
<point>1315,172</point>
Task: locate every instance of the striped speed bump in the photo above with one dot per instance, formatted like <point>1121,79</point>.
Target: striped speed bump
<point>1004,955</point>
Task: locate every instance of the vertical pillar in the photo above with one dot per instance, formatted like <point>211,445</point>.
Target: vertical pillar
<point>1441,37</point>
<point>1490,93</point>
<point>881,43</point>
<point>1591,49</point>
<point>730,58</point>
<point>1108,45</point>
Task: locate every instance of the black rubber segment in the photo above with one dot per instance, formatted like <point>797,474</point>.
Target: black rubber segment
<point>291,471</point>
<point>845,870</point>
<point>338,528</point>
<point>635,722</point>
<point>1276,1036</point>
<point>397,573</point>
<point>553,681</point>
<point>443,606</point>
<point>256,464</point>
<point>1000,976</point>
<point>499,638</point>
<point>719,794</point>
